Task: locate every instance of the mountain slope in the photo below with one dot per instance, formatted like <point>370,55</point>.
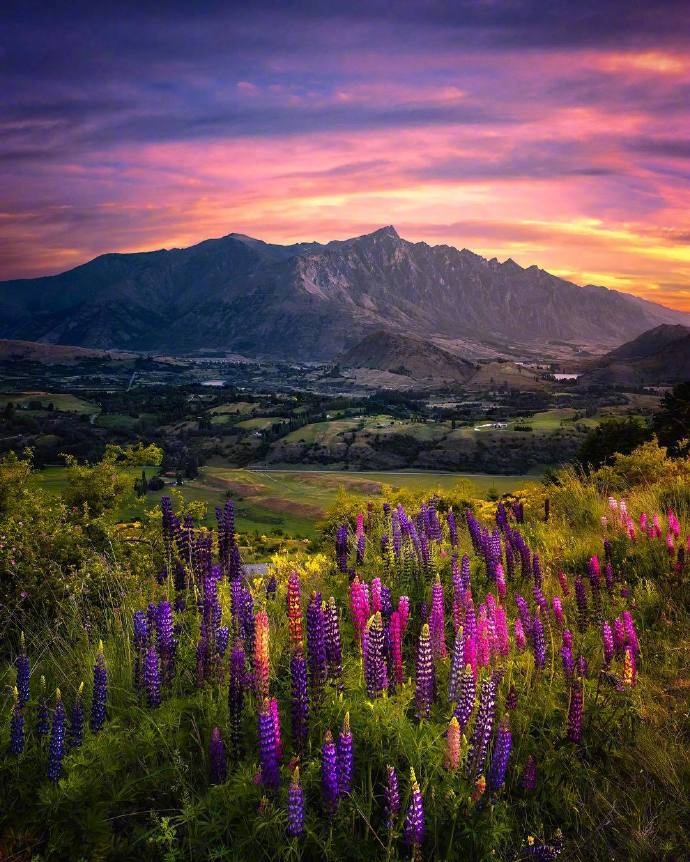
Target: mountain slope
<point>389,351</point>
<point>660,355</point>
<point>312,301</point>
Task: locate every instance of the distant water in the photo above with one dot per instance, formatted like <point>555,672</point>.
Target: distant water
<point>566,376</point>
<point>213,383</point>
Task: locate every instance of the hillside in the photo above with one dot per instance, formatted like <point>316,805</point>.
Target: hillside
<point>312,301</point>
<point>660,355</point>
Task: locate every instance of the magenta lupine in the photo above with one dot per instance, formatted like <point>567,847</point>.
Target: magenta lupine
<point>520,639</point>
<point>152,682</point>
<point>217,757</point>
<point>268,753</point>
<point>457,666</point>
<point>295,807</point>
<point>299,700</point>
<point>23,667</point>
<point>500,755</point>
<point>563,581</point>
<point>334,649</point>
<point>404,612</point>
<point>345,758</point>
<point>437,622</point>
<point>424,674</point>
<point>466,697</point>
<point>100,691</point>
<point>630,633</point>
<point>375,595</point>
<point>392,798</point>
<point>483,649</point>
<point>329,773</point>
<point>607,638</point>
<point>414,828</point>
<point>359,608</point>
<point>16,725</point>
<point>375,673</point>
<point>471,654</point>
<point>57,739</point>
<point>501,582</point>
<point>558,611</point>
<point>619,636</point>
<point>395,633</point>
<point>575,710</point>
<point>501,626</point>
<point>538,642</point>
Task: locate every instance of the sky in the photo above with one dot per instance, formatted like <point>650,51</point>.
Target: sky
<point>555,133</point>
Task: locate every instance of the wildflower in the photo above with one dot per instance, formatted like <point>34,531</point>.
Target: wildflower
<point>501,755</point>
<point>295,807</point>
<point>501,625</point>
<point>261,654</point>
<point>479,789</point>
<point>483,728</point>
<point>334,649</point>
<point>575,710</point>
<point>630,633</point>
<point>404,612</point>
<point>273,706</point>
<point>76,729</point>
<point>424,686</point>
<point>17,725</point>
<point>152,681</point>
<point>359,608</point>
<point>345,758</point>
<point>563,581</point>
<point>466,697</point>
<point>100,691</point>
<point>23,666</point>
<point>395,634</point>
<point>437,624</point>
<point>607,638</point>
<point>216,757</point>
<point>581,601</point>
<point>268,753</point>
<point>629,667</point>
<point>452,760</point>
<point>42,718</point>
<point>558,611</point>
<point>529,775</point>
<point>57,739</point>
<point>329,773</point>
<point>520,639</point>
<point>299,699</point>
<point>392,797</point>
<point>374,663</point>
<point>414,821</point>
<point>165,640</point>
<point>294,610</point>
<point>538,642</point>
<point>456,666</point>
<point>236,689</point>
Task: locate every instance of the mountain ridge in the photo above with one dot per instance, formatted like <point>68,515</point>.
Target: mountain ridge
<point>313,301</point>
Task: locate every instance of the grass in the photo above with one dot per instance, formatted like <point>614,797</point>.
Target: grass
<point>61,401</point>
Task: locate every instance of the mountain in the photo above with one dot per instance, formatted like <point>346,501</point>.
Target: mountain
<point>310,301</point>
<point>386,350</point>
<point>660,355</point>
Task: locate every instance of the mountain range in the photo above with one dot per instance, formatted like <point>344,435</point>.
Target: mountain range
<point>313,301</point>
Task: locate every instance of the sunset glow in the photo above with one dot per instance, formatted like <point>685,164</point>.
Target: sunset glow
<point>557,142</point>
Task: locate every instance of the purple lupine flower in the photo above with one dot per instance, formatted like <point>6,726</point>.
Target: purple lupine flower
<point>536,571</point>
<point>558,611</point>
<point>414,828</point>
<point>466,697</point>
<point>334,649</point>
<point>361,548</point>
<point>299,700</point>
<point>619,636</point>
<point>100,691</point>
<point>316,643</point>
<point>295,807</point>
<point>483,729</point>
<point>76,726</point>
<point>375,671</point>
<point>222,640</point>
<point>152,682</point>
<point>216,757</point>
<point>452,528</point>
<point>268,750</point>
<point>17,725</point>
<point>567,659</point>
<point>540,600</point>
<point>607,638</point>
<point>425,681</point>
<point>500,756</point>
<point>43,716</point>
<point>165,639</point>
<point>57,739</point>
<point>581,665</point>
<point>271,587</point>
<point>23,666</point>
<point>581,601</point>
<point>457,666</point>
<point>437,622</point>
<point>391,795</point>
<point>345,758</point>
<point>529,775</point>
<point>630,633</point>
<point>329,773</point>
<point>575,711</point>
<point>538,643</point>
<point>609,578</point>
<point>524,613</point>
<point>140,637</point>
<point>520,638</point>
<point>236,689</point>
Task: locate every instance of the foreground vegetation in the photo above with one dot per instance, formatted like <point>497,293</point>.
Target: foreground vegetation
<point>566,673</point>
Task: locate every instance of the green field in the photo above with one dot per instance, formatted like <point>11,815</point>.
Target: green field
<point>61,401</point>
<point>291,501</point>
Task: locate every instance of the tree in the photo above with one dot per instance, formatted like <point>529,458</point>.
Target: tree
<point>672,423</point>
<point>611,437</point>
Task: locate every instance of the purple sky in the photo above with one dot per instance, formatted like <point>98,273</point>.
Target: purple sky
<point>556,134</point>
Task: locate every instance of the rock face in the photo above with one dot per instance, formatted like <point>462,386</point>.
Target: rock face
<point>402,354</point>
<point>660,355</point>
<point>312,301</point>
